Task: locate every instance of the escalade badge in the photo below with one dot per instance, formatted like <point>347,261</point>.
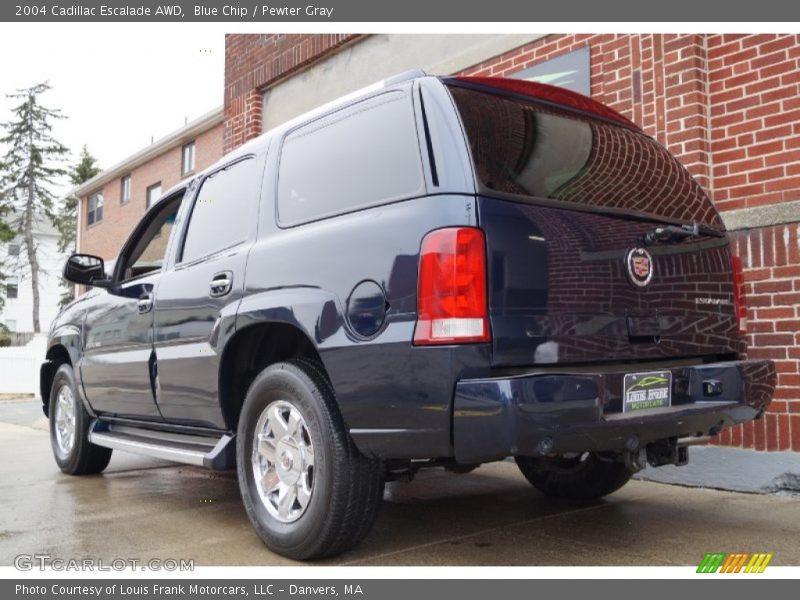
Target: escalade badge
<point>639,265</point>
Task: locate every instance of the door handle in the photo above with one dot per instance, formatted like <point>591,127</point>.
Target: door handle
<point>145,303</point>
<point>221,284</point>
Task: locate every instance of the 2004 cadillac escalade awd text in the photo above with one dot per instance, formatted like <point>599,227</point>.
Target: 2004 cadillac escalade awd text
<point>431,272</point>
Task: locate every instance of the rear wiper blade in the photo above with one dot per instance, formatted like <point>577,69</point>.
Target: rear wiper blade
<point>667,233</point>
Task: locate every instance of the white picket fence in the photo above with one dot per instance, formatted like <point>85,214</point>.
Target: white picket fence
<point>19,366</point>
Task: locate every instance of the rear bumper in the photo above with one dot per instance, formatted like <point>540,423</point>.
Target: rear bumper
<point>574,412</point>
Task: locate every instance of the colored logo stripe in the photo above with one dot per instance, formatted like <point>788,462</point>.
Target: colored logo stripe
<point>728,561</point>
<point>758,563</point>
<point>733,563</point>
<point>711,563</point>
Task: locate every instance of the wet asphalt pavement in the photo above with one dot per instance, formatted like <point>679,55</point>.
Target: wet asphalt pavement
<point>144,508</point>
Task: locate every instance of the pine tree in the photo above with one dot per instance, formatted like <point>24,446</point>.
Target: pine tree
<point>6,235</point>
<point>30,169</point>
<point>67,218</point>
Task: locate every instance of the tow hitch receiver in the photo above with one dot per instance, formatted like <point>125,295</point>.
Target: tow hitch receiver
<point>671,451</point>
<point>667,452</point>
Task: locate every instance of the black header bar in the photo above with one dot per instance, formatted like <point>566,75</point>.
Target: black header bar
<point>441,11</point>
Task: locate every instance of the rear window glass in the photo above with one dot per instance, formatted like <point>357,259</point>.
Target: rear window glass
<point>525,149</point>
<point>365,155</point>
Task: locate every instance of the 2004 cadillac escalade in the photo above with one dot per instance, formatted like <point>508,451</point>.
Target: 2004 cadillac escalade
<point>431,272</point>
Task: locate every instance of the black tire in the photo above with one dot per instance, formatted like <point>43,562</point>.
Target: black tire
<point>347,486</point>
<point>81,457</point>
<point>581,478</point>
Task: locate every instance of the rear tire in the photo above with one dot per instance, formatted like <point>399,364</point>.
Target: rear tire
<point>586,477</point>
<point>69,428</point>
<point>306,488</point>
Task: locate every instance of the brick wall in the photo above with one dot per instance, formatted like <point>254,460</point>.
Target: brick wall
<point>252,62</point>
<point>729,107</point>
<point>772,257</point>
<point>106,237</point>
<point>755,119</point>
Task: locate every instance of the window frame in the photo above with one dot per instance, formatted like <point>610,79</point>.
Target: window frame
<point>16,245</point>
<point>195,190</point>
<point>93,211</point>
<point>353,107</point>
<point>12,283</point>
<point>193,146</point>
<point>125,187</point>
<point>147,204</point>
<point>141,229</point>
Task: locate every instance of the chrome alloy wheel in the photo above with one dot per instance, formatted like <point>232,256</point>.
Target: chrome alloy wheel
<point>283,461</point>
<point>65,421</point>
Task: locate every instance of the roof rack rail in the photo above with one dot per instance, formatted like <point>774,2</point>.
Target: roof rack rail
<point>404,76</point>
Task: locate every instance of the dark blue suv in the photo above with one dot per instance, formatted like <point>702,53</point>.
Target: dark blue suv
<point>431,272</point>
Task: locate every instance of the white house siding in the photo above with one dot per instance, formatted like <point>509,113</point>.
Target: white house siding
<point>19,311</point>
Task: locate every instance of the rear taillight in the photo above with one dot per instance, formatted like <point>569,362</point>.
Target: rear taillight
<point>739,303</point>
<point>451,294</point>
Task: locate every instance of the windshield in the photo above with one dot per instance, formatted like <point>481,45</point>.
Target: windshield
<point>523,148</point>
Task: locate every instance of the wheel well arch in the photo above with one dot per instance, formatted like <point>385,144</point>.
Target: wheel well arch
<point>56,356</point>
<point>251,350</point>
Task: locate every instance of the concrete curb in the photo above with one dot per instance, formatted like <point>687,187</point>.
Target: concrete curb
<point>733,469</point>
<point>17,397</point>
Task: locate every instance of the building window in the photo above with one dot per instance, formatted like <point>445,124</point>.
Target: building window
<point>13,249</point>
<point>571,71</point>
<point>125,190</point>
<point>11,325</point>
<point>187,160</point>
<point>12,289</point>
<point>153,193</point>
<point>95,209</point>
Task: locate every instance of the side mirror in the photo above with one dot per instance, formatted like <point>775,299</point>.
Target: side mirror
<point>86,269</point>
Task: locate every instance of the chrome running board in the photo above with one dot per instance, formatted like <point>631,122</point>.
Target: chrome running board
<point>199,450</point>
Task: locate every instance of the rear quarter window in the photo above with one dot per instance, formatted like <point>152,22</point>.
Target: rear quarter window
<point>365,155</point>
<point>522,148</point>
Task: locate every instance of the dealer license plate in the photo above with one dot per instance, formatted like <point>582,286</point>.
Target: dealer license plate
<point>646,390</point>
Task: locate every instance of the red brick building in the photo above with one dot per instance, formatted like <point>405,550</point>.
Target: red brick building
<point>728,106</point>
<point>115,200</point>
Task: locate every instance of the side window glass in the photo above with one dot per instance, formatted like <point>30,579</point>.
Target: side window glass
<point>149,252</point>
<point>365,155</point>
<point>223,210</point>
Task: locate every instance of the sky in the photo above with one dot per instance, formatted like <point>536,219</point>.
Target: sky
<point>119,85</point>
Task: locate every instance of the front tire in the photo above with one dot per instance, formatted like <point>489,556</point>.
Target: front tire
<point>582,478</point>
<point>69,428</point>
<point>307,490</point>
